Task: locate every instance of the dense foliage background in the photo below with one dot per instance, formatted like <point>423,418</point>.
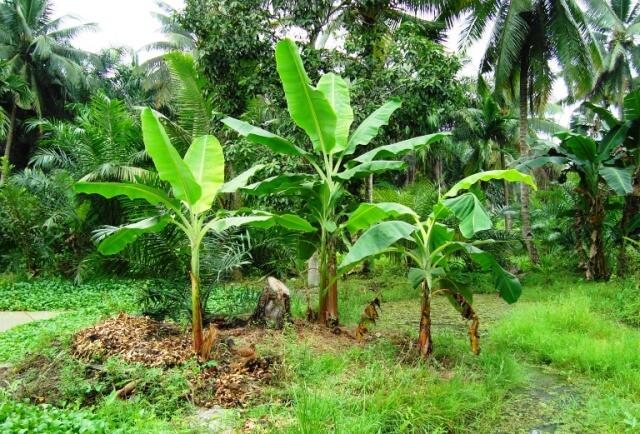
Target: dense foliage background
<point>69,115</point>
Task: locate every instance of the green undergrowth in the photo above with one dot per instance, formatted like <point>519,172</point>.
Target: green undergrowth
<point>587,333</point>
<point>113,417</point>
<point>58,294</point>
<point>44,336</point>
<point>381,387</point>
<point>569,332</point>
<point>618,299</point>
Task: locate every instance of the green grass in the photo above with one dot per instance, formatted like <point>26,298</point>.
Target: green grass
<point>585,333</point>
<point>45,294</point>
<point>370,389</point>
<point>43,336</point>
<point>90,302</point>
<point>113,417</point>
<point>569,332</point>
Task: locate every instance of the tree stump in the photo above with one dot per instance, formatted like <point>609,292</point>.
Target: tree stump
<point>274,305</point>
<point>313,274</point>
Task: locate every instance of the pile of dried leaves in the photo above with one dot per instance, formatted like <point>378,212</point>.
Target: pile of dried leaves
<point>135,339</point>
<point>231,385</point>
<point>233,376</point>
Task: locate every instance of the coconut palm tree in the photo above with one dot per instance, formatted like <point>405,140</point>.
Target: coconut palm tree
<point>491,132</point>
<point>526,36</point>
<point>15,92</point>
<point>616,23</point>
<point>38,49</point>
<point>174,38</point>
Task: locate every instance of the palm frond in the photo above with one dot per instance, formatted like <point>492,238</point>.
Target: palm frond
<point>193,108</point>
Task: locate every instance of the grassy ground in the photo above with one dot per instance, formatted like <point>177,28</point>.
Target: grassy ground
<point>565,358</point>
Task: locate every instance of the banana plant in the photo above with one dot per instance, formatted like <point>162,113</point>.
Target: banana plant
<point>624,137</point>
<point>324,112</point>
<point>430,246</point>
<point>598,163</point>
<point>195,181</point>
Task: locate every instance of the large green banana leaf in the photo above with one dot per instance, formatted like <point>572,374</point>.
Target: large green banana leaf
<point>263,137</point>
<point>472,215</point>
<point>308,107</point>
<point>368,214</point>
<point>511,175</point>
<point>620,180</point>
<point>336,90</point>
<point>131,190</point>
<point>241,180</point>
<point>377,240</point>
<point>370,127</point>
<point>119,238</point>
<point>205,159</point>
<point>400,148</point>
<point>370,167</point>
<point>170,166</point>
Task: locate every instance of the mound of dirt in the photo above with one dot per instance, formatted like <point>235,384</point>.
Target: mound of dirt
<point>234,375</point>
<point>231,385</point>
<point>135,339</point>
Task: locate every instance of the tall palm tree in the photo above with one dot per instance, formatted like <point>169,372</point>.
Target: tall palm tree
<point>15,92</point>
<point>616,24</point>
<point>174,38</point>
<point>491,132</point>
<point>526,36</point>
<point>38,48</point>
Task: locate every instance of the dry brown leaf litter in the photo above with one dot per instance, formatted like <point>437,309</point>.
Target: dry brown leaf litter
<point>234,378</point>
<point>135,339</point>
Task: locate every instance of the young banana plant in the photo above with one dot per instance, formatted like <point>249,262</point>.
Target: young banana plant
<point>324,112</point>
<point>432,245</point>
<point>195,181</point>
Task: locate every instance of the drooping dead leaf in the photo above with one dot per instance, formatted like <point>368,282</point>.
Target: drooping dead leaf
<point>467,312</point>
<point>369,316</point>
<point>210,339</point>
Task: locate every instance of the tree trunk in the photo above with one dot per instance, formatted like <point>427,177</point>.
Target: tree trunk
<point>597,261</point>
<point>425,344</point>
<point>507,216</point>
<point>274,305</point>
<point>367,263</point>
<point>630,211</point>
<point>4,170</point>
<point>196,314</point>
<point>196,307</point>
<point>525,216</point>
<point>578,228</point>
<point>313,276</point>
<point>411,169</point>
<point>328,312</point>
<point>439,172</point>
<point>623,90</point>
